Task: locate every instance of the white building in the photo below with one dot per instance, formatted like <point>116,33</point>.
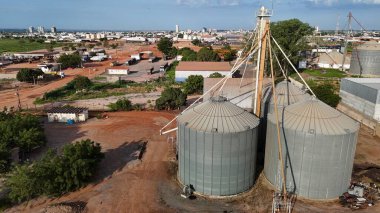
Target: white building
<point>118,71</point>
<point>333,59</point>
<point>49,68</point>
<point>53,29</point>
<point>177,28</point>
<point>64,114</point>
<point>31,30</point>
<point>205,69</point>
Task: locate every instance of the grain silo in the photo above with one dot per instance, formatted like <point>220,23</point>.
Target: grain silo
<point>217,144</point>
<point>365,59</point>
<point>318,145</point>
<point>287,94</point>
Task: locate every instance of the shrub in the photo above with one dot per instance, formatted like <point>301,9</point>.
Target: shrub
<point>121,105</point>
<point>71,60</point>
<point>171,98</point>
<point>326,93</point>
<point>28,75</point>
<point>194,84</point>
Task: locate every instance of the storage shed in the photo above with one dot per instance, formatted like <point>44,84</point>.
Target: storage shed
<point>217,144</point>
<point>318,145</point>
<point>63,114</point>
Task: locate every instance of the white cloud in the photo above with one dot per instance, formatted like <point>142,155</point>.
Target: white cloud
<point>367,1</point>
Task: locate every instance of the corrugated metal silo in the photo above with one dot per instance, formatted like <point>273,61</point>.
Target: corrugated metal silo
<point>318,145</point>
<point>217,144</point>
<point>287,94</point>
<point>365,59</point>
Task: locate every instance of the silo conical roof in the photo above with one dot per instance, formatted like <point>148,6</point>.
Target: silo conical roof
<point>287,94</point>
<point>315,117</point>
<point>218,115</point>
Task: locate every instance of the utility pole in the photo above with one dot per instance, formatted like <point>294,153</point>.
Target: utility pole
<point>349,34</point>
<point>263,27</point>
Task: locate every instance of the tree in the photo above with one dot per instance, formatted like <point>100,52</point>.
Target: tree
<point>207,54</point>
<point>187,54</point>
<point>28,75</point>
<point>114,45</point>
<point>55,174</point>
<point>326,93</point>
<point>290,35</point>
<point>49,47</point>
<point>65,48</point>
<point>121,105</point>
<point>71,60</point>
<point>165,45</point>
<point>81,82</point>
<point>194,84</point>
<point>216,75</point>
<point>171,98</point>
<point>196,42</point>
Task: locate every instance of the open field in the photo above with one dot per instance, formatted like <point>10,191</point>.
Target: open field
<point>124,184</point>
<point>23,45</point>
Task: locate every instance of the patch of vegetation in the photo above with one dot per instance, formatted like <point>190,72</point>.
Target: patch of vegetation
<point>194,84</point>
<point>326,93</point>
<point>170,73</point>
<point>55,174</point>
<point>324,73</point>
<point>216,75</point>
<point>70,61</point>
<point>171,98</point>
<point>18,130</point>
<point>121,105</point>
<point>23,45</point>
<point>29,75</point>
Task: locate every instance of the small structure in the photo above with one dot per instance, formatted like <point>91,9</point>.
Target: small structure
<point>363,95</point>
<point>122,70</point>
<point>49,68</point>
<point>205,69</point>
<point>333,60</point>
<point>64,114</point>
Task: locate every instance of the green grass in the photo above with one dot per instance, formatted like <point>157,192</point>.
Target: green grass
<point>22,45</point>
<point>323,73</point>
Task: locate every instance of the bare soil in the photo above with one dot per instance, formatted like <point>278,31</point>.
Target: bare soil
<point>126,184</point>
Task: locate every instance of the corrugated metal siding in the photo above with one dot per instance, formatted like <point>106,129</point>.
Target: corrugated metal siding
<point>287,94</point>
<point>360,90</point>
<point>318,145</point>
<point>217,163</point>
<point>365,62</point>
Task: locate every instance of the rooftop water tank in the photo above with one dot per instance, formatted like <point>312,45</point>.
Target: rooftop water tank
<point>217,144</point>
<point>318,146</point>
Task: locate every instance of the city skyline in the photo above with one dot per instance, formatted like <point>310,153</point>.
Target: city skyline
<point>188,14</point>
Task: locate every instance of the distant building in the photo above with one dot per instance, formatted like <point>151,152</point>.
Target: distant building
<point>64,114</point>
<point>41,30</point>
<point>205,69</point>
<point>31,29</point>
<point>53,29</point>
<point>177,28</point>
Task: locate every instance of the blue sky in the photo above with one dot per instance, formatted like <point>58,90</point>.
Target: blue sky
<point>189,14</point>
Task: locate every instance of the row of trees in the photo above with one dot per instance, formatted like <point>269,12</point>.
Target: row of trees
<point>165,45</point>
<point>18,130</point>
<point>55,174</point>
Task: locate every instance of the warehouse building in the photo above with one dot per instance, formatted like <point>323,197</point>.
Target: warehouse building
<point>366,59</point>
<point>65,114</point>
<point>205,69</point>
<point>363,95</point>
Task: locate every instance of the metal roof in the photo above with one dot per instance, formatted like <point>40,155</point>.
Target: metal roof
<point>371,45</point>
<point>203,66</point>
<point>66,110</point>
<point>287,94</point>
<point>218,115</point>
<point>315,117</point>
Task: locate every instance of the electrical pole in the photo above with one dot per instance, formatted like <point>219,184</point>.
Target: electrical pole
<point>18,99</point>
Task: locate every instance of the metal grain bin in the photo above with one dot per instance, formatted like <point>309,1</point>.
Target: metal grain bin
<point>217,144</point>
<point>287,94</point>
<point>365,59</point>
<point>318,145</point>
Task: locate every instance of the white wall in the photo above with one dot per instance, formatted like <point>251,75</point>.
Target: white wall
<point>62,118</point>
<point>118,71</point>
<point>183,75</point>
<point>366,107</point>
